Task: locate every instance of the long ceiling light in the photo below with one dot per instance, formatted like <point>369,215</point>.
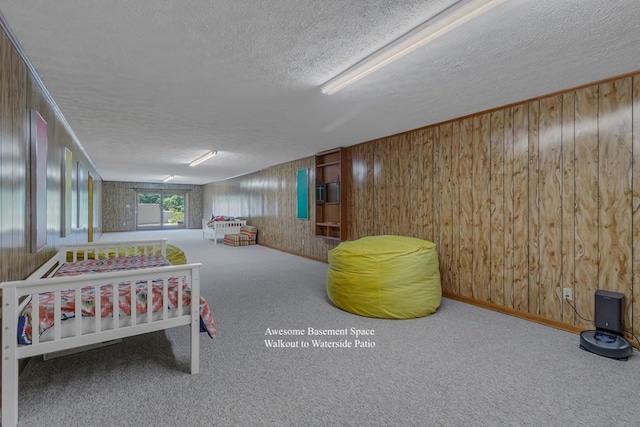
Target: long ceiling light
<point>430,30</point>
<point>168,178</point>
<point>202,158</point>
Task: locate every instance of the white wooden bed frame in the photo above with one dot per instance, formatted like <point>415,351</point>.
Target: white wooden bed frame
<point>16,294</point>
<point>220,228</point>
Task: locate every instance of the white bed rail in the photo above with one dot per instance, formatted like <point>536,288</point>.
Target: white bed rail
<point>15,292</point>
<point>220,228</point>
<point>101,250</point>
<point>83,251</point>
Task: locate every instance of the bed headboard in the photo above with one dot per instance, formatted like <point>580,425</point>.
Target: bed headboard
<point>100,250</point>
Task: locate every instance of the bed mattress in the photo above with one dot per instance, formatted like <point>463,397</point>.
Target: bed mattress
<point>108,302</point>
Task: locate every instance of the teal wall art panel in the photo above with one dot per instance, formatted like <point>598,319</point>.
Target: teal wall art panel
<point>302,190</point>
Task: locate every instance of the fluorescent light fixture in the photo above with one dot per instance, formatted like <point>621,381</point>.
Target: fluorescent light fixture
<point>202,158</point>
<point>435,27</point>
<point>168,178</point>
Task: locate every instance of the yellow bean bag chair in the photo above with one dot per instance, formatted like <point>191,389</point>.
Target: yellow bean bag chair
<point>389,277</point>
<point>175,255</point>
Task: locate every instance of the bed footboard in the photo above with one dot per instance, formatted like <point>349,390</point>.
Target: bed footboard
<point>81,330</point>
<point>220,228</point>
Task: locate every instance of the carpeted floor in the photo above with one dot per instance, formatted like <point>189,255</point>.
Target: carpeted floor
<point>462,366</point>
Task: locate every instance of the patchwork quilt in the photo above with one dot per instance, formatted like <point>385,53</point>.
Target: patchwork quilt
<point>177,288</point>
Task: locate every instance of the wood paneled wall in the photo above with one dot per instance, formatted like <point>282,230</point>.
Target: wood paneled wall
<point>268,200</point>
<point>521,201</point>
<point>20,91</point>
<point>119,201</point>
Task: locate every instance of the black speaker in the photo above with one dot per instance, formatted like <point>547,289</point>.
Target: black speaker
<point>608,312</point>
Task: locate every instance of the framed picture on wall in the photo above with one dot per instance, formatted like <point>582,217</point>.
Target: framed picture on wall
<point>37,208</point>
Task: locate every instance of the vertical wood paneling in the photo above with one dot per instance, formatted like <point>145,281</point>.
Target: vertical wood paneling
<point>17,159</point>
<point>455,207</point>
<point>370,204</point>
<point>614,190</point>
<point>568,203</point>
<point>394,180</point>
<point>416,173</point>
<point>550,205</point>
<point>467,280</point>
<point>360,219</point>
<point>428,189</point>
<point>445,207</point>
<point>18,114</point>
<point>354,191</point>
<point>481,199</point>
<point>496,207</point>
<point>635,204</point>
<point>534,209</point>
<point>508,171</point>
<point>437,187</point>
<point>586,206</point>
<point>380,166</point>
<point>520,191</point>
<point>402,182</point>
<point>6,160</point>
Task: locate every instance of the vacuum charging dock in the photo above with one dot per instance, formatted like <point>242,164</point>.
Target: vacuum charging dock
<point>607,340</point>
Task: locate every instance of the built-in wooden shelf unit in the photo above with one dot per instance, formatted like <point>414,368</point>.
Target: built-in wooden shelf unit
<point>331,190</point>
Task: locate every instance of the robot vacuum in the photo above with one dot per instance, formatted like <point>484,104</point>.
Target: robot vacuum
<point>607,339</point>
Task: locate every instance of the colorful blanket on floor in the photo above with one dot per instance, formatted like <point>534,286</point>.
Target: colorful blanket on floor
<point>106,299</point>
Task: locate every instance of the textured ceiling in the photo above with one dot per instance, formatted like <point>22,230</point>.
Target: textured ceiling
<point>148,86</point>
